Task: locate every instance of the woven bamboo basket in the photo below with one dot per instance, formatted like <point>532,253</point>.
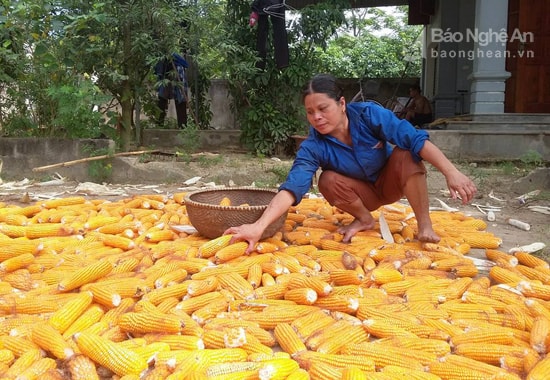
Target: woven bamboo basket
<point>247,205</point>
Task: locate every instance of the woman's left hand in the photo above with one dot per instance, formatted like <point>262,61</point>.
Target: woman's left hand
<point>461,187</point>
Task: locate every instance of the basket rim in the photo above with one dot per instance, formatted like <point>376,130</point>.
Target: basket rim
<point>189,201</point>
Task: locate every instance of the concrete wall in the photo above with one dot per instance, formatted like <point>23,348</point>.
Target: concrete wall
<point>20,155</point>
<point>223,118</point>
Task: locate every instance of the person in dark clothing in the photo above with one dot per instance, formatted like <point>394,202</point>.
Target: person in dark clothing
<point>262,12</point>
<point>171,74</point>
<point>419,111</point>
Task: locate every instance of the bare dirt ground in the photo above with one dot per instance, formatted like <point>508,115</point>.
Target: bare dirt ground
<point>510,191</point>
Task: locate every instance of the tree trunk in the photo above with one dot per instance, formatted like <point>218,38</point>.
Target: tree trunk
<point>126,111</point>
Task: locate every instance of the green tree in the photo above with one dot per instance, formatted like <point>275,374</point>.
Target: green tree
<point>378,43</point>
<point>119,42</point>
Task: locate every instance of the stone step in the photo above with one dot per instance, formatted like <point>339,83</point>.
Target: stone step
<point>506,118</point>
<point>498,126</point>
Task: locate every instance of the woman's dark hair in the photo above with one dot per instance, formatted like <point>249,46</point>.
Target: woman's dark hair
<point>416,87</point>
<point>323,84</point>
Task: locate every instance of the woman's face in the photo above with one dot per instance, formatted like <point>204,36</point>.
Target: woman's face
<point>324,113</point>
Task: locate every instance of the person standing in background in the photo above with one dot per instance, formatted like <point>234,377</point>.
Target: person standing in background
<point>172,77</point>
<point>262,12</point>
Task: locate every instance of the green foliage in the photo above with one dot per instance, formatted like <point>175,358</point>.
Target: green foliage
<point>190,136</point>
<point>75,116</point>
<point>382,46</point>
<point>99,170</point>
<point>281,171</point>
<point>532,158</point>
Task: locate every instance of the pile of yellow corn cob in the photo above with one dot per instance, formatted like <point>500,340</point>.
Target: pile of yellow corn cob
<point>91,289</point>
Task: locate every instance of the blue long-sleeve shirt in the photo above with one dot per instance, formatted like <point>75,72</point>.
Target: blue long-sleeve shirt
<point>374,130</point>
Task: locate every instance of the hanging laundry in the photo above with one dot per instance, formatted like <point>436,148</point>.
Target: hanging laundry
<point>264,11</point>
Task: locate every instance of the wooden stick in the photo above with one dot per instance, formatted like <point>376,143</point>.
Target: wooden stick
<point>94,158</point>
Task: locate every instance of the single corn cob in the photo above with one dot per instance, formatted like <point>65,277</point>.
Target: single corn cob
<point>497,336</point>
<point>534,289</point>
<point>158,236</point>
<point>190,304</point>
<point>171,278</point>
<point>320,286</point>
<point>384,355</point>
<point>325,371</point>
<point>230,252</point>
<point>355,334</point>
<point>315,321</point>
<point>352,373</point>
<point>41,230</point>
<point>273,315</point>
<point>266,246</point>
<point>231,369</point>
<point>530,260</point>
<point>277,369</point>
<point>176,341</point>
<point>437,347</point>
<point>111,316</point>
<point>315,340</point>
<point>105,295</point>
<point>383,276</point>
<point>37,369</point>
<point>288,339</point>
<point>225,202</point>
<point>540,370</point>
<point>50,340</point>
<point>16,262</point>
<point>466,270</point>
<point>156,296</point>
<point>539,335</point>
<point>70,311</point>
<point>107,353</point>
<point>198,287</point>
<point>382,328</point>
<point>90,316</point>
<point>346,277</point>
<point>308,358</point>
<point>23,361</point>
<point>117,241</point>
<point>487,352</point>
<point>149,351</point>
<point>254,276</point>
<point>210,248</point>
<point>481,239</point>
<point>304,296</point>
<point>6,357</point>
<point>496,255</point>
<point>455,372</point>
<point>290,263</point>
<point>534,273</point>
<point>337,302</point>
<point>236,284</point>
<point>273,268</point>
<point>144,322</point>
<point>205,313</point>
<point>85,275</point>
<point>479,367</point>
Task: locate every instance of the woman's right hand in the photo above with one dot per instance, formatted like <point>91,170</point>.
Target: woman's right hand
<point>250,233</point>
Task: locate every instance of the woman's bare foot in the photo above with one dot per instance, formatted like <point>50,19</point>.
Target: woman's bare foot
<point>354,227</point>
<point>427,235</point>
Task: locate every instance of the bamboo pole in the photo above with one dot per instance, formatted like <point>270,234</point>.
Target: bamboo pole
<point>94,158</point>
